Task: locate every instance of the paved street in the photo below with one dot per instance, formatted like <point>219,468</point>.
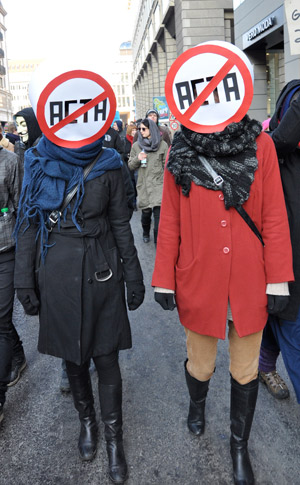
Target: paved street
<point>38,438</point>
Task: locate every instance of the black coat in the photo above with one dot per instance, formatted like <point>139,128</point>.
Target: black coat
<point>81,317</point>
<point>286,136</point>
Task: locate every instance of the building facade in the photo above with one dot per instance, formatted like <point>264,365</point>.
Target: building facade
<point>163,30</point>
<point>121,82</point>
<point>261,31</point>
<point>5,96</point>
<point>20,73</point>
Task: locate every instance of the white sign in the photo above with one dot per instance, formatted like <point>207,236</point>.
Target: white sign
<point>210,86</point>
<point>292,13</point>
<point>73,107</point>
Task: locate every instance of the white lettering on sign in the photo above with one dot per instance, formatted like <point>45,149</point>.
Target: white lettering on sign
<point>260,28</point>
<point>292,12</point>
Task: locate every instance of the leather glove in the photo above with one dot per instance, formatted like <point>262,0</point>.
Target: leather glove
<point>166,300</point>
<point>29,300</point>
<point>277,303</point>
<point>135,294</point>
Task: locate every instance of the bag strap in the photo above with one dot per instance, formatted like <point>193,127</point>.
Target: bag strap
<point>53,216</point>
<point>218,180</point>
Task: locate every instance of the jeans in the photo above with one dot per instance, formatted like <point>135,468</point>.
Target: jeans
<point>287,336</point>
<point>10,343</point>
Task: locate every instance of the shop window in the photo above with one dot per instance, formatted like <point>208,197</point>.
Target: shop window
<point>273,63</point>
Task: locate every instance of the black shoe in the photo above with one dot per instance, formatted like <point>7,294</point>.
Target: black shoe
<point>17,367</point>
<point>1,412</point>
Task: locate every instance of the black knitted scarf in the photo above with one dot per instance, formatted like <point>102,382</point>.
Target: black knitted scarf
<point>231,153</point>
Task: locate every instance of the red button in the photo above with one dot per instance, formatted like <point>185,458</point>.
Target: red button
<point>223,223</point>
<point>221,196</point>
<point>226,250</point>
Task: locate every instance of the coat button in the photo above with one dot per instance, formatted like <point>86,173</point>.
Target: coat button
<point>90,281</point>
<point>226,250</point>
<point>224,223</point>
<point>221,196</point>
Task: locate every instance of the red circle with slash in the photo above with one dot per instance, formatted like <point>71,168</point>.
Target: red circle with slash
<point>232,59</point>
<point>107,93</point>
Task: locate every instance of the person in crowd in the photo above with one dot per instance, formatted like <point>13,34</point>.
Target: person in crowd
<point>5,143</point>
<point>118,127</point>
<point>148,155</point>
<point>282,332</point>
<point>12,357</point>
<point>111,140</point>
<point>70,270</point>
<point>29,132</point>
<point>215,268</point>
<point>12,133</point>
<point>131,131</point>
<point>153,115</point>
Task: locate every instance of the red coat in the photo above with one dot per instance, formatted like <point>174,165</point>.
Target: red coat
<point>208,254</point>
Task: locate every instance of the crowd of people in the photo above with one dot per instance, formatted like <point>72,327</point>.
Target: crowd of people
<point>254,294</point>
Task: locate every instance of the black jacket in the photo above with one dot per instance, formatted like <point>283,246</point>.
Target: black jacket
<point>286,136</point>
<point>81,317</point>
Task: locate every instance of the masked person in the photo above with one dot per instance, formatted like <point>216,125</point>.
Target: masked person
<point>215,268</point>
<point>148,155</point>
<point>282,332</point>
<point>29,132</point>
<point>71,271</point>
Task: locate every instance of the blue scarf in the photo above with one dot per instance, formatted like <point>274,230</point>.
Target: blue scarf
<point>50,172</point>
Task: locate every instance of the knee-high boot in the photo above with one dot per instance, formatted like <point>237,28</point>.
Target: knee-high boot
<point>198,392</point>
<point>243,402</point>
<point>110,396</point>
<point>82,393</point>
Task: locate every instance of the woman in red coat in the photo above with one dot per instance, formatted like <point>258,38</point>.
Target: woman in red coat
<point>217,268</point>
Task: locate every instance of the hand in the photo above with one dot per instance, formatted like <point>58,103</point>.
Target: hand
<point>29,300</point>
<point>166,300</point>
<point>277,303</point>
<point>142,156</point>
<point>135,294</point>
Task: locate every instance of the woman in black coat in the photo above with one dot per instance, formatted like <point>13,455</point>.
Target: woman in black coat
<point>72,273</point>
<point>282,332</point>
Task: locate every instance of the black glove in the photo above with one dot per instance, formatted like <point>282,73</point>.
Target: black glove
<point>277,303</point>
<point>29,300</point>
<point>135,294</point>
<point>166,300</point>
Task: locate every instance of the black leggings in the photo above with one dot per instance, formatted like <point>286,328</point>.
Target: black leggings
<point>146,220</point>
<point>107,368</point>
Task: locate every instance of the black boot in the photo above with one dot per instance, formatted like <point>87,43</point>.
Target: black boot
<point>111,412</point>
<point>82,393</point>
<point>198,391</point>
<point>243,402</point>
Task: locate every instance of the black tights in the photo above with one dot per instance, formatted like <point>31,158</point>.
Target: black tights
<point>107,368</point>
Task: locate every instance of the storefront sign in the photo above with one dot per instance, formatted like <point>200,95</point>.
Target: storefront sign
<point>292,13</point>
<point>258,29</point>
<point>264,27</point>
